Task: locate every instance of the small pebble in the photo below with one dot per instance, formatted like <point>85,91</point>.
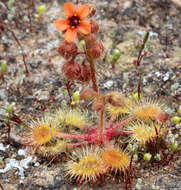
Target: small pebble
<point>21,152</point>
<point>158,74</point>
<point>36,164</point>
<point>166,77</point>
<point>108,84</point>
<point>2,147</point>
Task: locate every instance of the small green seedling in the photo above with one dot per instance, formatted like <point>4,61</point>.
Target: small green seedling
<point>135,96</point>
<point>157,157</point>
<point>179,110</point>
<point>176,119</point>
<point>10,108</point>
<point>41,9</point>
<point>1,160</point>
<point>3,68</point>
<point>135,157</point>
<point>147,157</point>
<point>63,103</point>
<point>63,91</point>
<point>76,98</point>
<point>174,146</point>
<point>10,4</point>
<point>116,54</point>
<point>155,187</point>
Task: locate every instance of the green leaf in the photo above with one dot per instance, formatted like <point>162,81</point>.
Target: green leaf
<point>3,66</point>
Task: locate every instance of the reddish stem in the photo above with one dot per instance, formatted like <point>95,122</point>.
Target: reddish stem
<point>131,162</point>
<point>24,56</point>
<point>121,132</point>
<point>9,130</point>
<point>101,125</point>
<point>29,17</point>
<point>122,123</point>
<point>139,59</point>
<point>65,135</point>
<point>76,144</point>
<point>78,53</point>
<point>93,76</point>
<point>110,122</point>
<point>18,42</point>
<point>139,87</point>
<point>68,86</point>
<point>92,67</point>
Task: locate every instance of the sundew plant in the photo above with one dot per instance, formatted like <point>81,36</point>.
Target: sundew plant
<point>113,134</point>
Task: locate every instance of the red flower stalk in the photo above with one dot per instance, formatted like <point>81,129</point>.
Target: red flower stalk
<point>99,103</point>
<point>2,27</point>
<point>91,39</point>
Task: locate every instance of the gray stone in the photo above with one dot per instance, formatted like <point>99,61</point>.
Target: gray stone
<point>3,94</point>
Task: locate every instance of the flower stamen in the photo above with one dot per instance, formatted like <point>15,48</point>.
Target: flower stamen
<point>74,21</point>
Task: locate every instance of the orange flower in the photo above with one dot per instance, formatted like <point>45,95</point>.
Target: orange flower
<point>74,21</point>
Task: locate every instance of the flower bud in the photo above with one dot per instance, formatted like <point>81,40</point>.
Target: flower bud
<point>92,11</point>
<point>94,26</point>
<point>71,70</point>
<point>67,50</point>
<point>162,117</point>
<point>98,104</point>
<point>115,99</point>
<point>97,49</point>
<point>135,62</point>
<point>88,94</point>
<point>85,73</point>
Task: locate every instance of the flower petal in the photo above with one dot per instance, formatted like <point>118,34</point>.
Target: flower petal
<point>84,27</point>
<point>69,9</point>
<point>83,11</point>
<point>70,35</point>
<point>61,24</point>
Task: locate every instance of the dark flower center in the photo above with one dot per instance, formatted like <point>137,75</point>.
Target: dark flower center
<point>74,21</point>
